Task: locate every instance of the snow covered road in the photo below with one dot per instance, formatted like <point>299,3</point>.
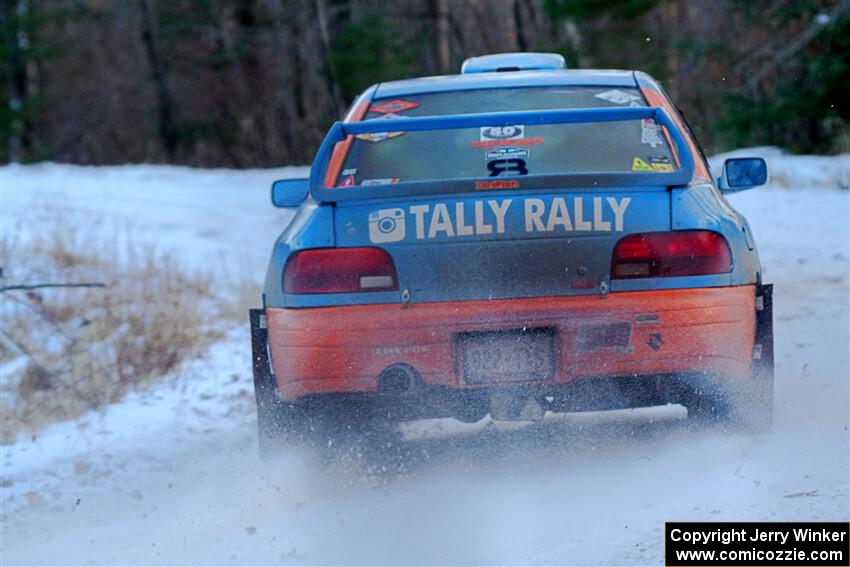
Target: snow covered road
<point>172,476</point>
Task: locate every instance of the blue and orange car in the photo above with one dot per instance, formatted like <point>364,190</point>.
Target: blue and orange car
<point>515,239</point>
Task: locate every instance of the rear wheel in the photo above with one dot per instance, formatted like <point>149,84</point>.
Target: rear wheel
<point>319,423</point>
<point>738,405</point>
<point>745,405</point>
<point>756,406</point>
<point>276,419</point>
<point>705,397</point>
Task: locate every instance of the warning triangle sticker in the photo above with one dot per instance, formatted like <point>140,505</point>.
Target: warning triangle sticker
<point>640,165</point>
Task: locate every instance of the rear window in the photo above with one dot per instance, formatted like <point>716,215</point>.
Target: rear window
<point>515,150</point>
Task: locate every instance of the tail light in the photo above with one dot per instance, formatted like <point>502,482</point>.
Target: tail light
<point>665,254</point>
<point>339,270</point>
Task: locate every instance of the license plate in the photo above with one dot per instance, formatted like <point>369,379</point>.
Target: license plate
<point>508,356</point>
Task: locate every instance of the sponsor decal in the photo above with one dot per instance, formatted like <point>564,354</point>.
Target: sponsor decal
<point>383,181</point>
<point>381,136</point>
<point>393,106</point>
<point>505,153</point>
<point>650,133</point>
<point>539,218</point>
<point>347,182</point>
<point>378,136</point>
<point>387,225</point>
<point>501,132</point>
<point>661,164</point>
<point>486,144</point>
<point>507,166</point>
<point>618,97</point>
<point>497,184</point>
<point>438,221</point>
<point>395,350</point>
<point>640,165</point>
<point>490,216</point>
<point>647,318</point>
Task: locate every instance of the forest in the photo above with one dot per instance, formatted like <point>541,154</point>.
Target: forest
<point>256,83</point>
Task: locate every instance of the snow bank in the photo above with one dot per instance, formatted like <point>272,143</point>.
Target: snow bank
<point>219,220</point>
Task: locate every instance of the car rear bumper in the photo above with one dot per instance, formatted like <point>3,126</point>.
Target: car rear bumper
<point>643,333</point>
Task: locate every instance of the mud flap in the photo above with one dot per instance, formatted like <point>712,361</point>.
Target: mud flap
<point>259,350</point>
<point>763,351</point>
<point>270,409</point>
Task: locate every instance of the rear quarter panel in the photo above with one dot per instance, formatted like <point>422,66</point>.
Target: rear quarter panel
<point>311,227</point>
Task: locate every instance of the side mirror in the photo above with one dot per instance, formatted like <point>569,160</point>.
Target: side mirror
<point>742,173</point>
<point>289,192</point>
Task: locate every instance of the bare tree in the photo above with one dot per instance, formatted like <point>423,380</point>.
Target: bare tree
<point>15,13</point>
<point>167,129</point>
<point>440,16</point>
<point>325,44</point>
<point>282,44</point>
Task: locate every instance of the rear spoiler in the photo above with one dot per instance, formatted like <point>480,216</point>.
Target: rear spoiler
<point>340,130</point>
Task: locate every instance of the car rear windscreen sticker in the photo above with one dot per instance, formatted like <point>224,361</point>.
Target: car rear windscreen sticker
<point>617,96</point>
<point>506,143</point>
<point>393,106</point>
<point>512,166</point>
<point>382,181</point>
<point>640,165</point>
<point>649,133</point>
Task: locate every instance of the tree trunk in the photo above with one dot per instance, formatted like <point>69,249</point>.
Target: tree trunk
<point>519,26</point>
<point>18,82</point>
<point>282,44</point>
<point>324,35</point>
<point>672,22</point>
<point>440,15</point>
<point>167,130</point>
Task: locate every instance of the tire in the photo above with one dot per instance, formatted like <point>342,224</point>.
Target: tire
<point>719,402</point>
<point>756,405</point>
<point>707,399</point>
<point>280,423</point>
<point>739,405</point>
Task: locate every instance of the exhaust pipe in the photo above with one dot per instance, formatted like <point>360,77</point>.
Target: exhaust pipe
<point>398,379</point>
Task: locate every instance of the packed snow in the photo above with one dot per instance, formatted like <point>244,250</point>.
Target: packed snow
<point>172,475</point>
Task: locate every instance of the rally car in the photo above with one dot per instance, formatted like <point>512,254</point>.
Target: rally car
<point>515,239</point>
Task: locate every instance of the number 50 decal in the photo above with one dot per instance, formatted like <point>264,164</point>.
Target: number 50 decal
<point>511,166</point>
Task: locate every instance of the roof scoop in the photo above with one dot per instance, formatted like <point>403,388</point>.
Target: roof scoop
<point>504,62</point>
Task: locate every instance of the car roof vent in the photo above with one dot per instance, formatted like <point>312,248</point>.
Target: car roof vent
<point>514,62</point>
